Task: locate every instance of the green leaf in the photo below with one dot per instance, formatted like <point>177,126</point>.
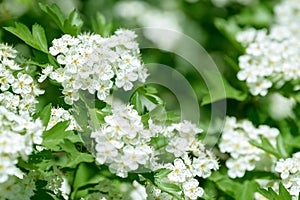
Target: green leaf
<point>169,188</point>
<point>100,25</point>
<point>158,142</point>
<point>272,195</point>
<point>246,192</point>
<point>230,92</point>
<point>135,100</point>
<point>73,23</point>
<point>86,173</point>
<point>74,157</point>
<point>56,135</point>
<point>281,147</point>
<point>55,13</point>
<point>259,16</point>
<point>224,183</point>
<point>36,40</point>
<point>39,36</point>
<point>229,28</point>
<point>266,146</point>
<point>283,193</point>
<point>162,173</point>
<point>269,194</point>
<point>158,114</point>
<point>45,114</point>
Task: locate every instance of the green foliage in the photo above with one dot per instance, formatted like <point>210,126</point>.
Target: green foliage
<point>68,25</point>
<point>265,145</point>
<point>233,188</point>
<point>36,39</point>
<point>272,195</point>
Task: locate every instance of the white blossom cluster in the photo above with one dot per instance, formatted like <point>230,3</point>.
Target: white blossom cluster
<point>186,169</point>
<point>235,141</point>
<point>18,89</point>
<point>59,115</point>
<point>221,3</point>
<point>191,158</point>
<point>18,130</point>
<point>289,170</point>
<point>93,63</point>
<point>123,142</point>
<point>272,57</point>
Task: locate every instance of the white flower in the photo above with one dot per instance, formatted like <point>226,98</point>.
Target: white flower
<point>45,73</point>
<point>260,87</point>
<point>125,80</point>
<point>103,89</point>
<point>192,190</point>
<point>177,146</point>
<point>106,152</point>
<point>179,172</point>
<point>22,85</point>
<point>284,167</point>
<point>237,168</point>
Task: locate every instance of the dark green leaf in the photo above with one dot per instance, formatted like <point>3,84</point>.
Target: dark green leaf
<point>162,173</point>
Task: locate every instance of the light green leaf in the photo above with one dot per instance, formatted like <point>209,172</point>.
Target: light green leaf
<point>169,188</point>
<point>135,100</point>
<point>266,146</point>
<point>283,193</point>
<point>36,40</point>
<point>246,192</point>
<point>74,157</point>
<point>73,23</point>
<point>281,147</point>
<point>45,114</point>
<point>56,135</point>
<point>100,25</point>
<point>162,173</point>
<point>70,25</point>
<point>55,13</point>
<point>39,37</point>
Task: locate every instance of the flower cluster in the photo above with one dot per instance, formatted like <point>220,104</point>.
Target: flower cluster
<point>289,170</point>
<point>235,141</point>
<point>185,170</point>
<point>18,130</point>
<point>191,158</point>
<point>93,63</point>
<point>123,142</point>
<point>60,115</point>
<point>272,58</point>
<point>18,89</point>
